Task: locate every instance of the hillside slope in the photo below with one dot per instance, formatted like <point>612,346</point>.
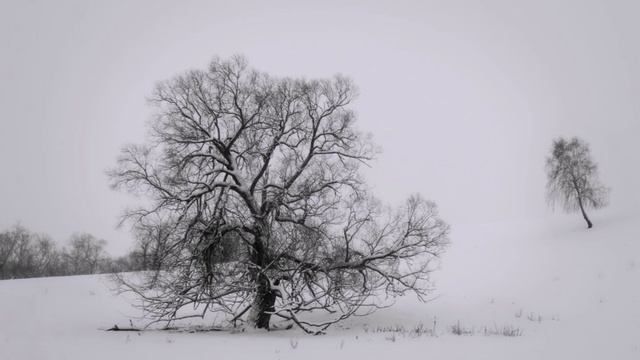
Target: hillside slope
<point>570,293</point>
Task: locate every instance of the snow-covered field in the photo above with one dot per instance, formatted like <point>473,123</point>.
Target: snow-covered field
<point>568,292</point>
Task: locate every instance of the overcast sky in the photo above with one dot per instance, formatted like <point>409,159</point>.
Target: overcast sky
<point>464,97</point>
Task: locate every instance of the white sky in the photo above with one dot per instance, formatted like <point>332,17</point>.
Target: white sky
<point>463,96</point>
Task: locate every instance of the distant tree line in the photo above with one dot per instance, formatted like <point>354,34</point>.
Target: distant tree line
<point>26,254</point>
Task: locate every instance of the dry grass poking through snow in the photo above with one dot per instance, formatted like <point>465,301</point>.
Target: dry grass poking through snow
<point>495,330</point>
<point>420,330</point>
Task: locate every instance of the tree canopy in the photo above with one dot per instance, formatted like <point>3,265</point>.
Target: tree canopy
<point>572,178</point>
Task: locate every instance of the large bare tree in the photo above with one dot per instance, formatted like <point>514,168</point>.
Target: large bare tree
<point>265,214</point>
<point>572,178</point>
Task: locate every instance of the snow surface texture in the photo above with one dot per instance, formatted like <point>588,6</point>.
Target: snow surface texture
<point>565,292</point>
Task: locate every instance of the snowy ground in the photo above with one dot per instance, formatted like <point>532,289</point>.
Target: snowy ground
<point>572,293</point>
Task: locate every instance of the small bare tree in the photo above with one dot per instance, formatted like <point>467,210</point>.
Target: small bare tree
<point>264,213</point>
<point>16,253</point>
<point>47,256</point>
<point>9,242</point>
<point>84,254</point>
<point>151,243</point>
<point>573,178</point>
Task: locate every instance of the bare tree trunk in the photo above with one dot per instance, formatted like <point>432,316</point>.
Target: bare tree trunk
<point>265,298</point>
<point>584,214</point>
<point>263,304</point>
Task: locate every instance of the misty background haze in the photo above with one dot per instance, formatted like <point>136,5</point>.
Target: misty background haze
<point>464,97</point>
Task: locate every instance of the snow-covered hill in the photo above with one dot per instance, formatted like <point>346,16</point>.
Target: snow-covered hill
<point>568,292</point>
